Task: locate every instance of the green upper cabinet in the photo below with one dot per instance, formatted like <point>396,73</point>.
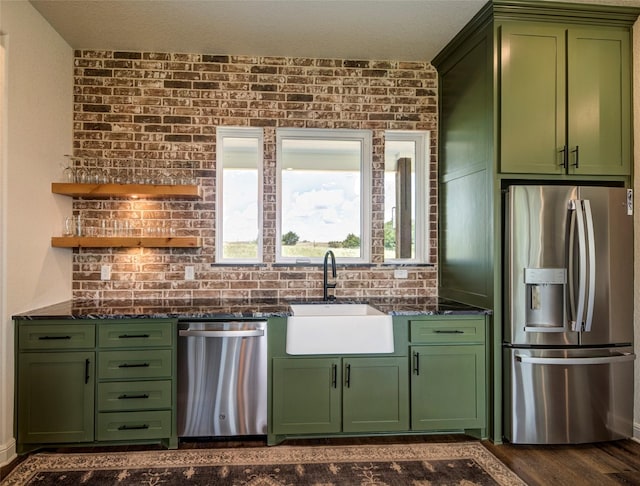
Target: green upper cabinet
<point>599,101</point>
<point>533,107</point>
<point>565,99</point>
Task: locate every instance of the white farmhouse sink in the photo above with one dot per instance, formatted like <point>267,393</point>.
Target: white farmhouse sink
<point>338,329</point>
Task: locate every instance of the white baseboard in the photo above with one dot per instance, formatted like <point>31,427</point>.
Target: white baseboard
<point>7,452</point>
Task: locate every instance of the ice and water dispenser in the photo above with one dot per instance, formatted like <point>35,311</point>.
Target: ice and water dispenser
<point>545,299</point>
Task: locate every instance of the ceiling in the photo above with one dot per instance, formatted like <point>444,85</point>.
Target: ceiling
<point>410,30</point>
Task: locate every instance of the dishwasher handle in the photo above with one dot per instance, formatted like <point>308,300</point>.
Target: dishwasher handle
<point>221,334</point>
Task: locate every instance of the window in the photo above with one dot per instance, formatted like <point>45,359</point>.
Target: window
<point>406,196</point>
<point>239,195</point>
<point>323,194</point>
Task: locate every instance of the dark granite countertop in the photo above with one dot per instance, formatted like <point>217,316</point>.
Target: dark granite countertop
<point>229,308</point>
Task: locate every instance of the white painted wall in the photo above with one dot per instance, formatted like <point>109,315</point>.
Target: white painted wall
<point>36,125</point>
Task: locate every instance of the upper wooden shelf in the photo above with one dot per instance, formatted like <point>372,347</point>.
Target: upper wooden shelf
<point>125,241</point>
<point>146,191</point>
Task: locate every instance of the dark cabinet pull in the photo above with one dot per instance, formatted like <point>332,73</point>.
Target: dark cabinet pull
<point>416,363</point>
<point>86,371</point>
<point>334,375</point>
<point>576,164</point>
<point>565,157</point>
<point>133,427</point>
<point>136,365</point>
<point>133,336</point>
<point>129,397</point>
<point>51,338</point>
<point>448,331</point>
<point>347,379</point>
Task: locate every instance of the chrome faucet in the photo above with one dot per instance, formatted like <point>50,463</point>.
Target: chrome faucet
<point>326,284</point>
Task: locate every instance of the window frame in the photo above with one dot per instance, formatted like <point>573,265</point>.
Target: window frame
<point>239,132</point>
<point>422,140</point>
<point>365,137</point>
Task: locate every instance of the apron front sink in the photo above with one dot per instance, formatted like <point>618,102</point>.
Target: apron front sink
<point>338,329</point>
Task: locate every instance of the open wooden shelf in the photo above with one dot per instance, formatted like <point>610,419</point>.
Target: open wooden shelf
<point>125,241</point>
<point>145,191</point>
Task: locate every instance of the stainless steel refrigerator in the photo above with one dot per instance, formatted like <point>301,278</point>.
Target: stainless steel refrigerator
<point>568,321</point>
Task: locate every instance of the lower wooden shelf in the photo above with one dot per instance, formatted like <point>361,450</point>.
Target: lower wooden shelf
<point>125,241</point>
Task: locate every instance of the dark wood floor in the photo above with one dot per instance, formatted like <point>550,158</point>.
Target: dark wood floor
<point>603,464</point>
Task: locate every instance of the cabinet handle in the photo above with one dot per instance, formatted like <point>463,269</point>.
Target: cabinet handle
<point>51,338</point>
<point>347,376</point>
<point>416,363</point>
<point>334,375</point>
<point>448,331</point>
<point>577,152</point>
<point>133,427</point>
<point>86,371</point>
<point>136,365</point>
<point>131,336</point>
<point>129,397</point>
<point>565,157</point>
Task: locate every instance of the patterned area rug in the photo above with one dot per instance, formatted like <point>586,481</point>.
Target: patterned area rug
<point>411,464</point>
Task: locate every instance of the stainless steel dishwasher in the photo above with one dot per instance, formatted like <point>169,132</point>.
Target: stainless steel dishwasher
<point>222,378</point>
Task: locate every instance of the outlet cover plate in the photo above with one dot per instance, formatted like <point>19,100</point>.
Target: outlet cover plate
<point>401,273</point>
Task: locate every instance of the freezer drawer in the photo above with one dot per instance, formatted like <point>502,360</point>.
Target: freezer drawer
<point>568,396</point>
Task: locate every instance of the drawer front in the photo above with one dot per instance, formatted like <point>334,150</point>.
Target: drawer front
<point>135,334</point>
<point>134,364</point>
<point>448,331</point>
<point>134,395</point>
<point>56,336</point>
<point>133,425</point>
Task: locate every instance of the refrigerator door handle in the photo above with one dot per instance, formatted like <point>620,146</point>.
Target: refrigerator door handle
<point>578,318</point>
<point>577,361</point>
<point>591,265</point>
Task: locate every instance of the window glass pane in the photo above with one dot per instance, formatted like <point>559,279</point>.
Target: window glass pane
<point>399,193</point>
<point>239,196</point>
<point>406,197</point>
<point>321,196</point>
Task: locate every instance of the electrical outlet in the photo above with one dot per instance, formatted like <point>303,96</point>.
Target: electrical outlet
<point>400,273</point>
<point>105,272</point>
<point>189,272</point>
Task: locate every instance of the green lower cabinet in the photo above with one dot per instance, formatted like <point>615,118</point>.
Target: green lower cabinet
<point>448,387</point>
<point>375,395</point>
<point>306,396</point>
<point>332,395</point>
<point>55,397</point>
<point>76,385</point>
<point>143,425</point>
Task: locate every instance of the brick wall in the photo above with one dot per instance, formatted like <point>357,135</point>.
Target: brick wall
<point>145,115</point>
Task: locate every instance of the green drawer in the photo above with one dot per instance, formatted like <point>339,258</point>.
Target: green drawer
<point>447,331</point>
<point>133,425</point>
<point>136,334</point>
<point>56,336</point>
<point>134,395</point>
<point>117,365</point>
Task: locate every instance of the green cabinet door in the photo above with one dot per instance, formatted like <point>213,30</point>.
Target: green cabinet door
<point>599,101</point>
<point>375,394</point>
<point>306,395</point>
<point>55,397</point>
<point>448,387</point>
<point>565,105</point>
<point>533,101</point>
